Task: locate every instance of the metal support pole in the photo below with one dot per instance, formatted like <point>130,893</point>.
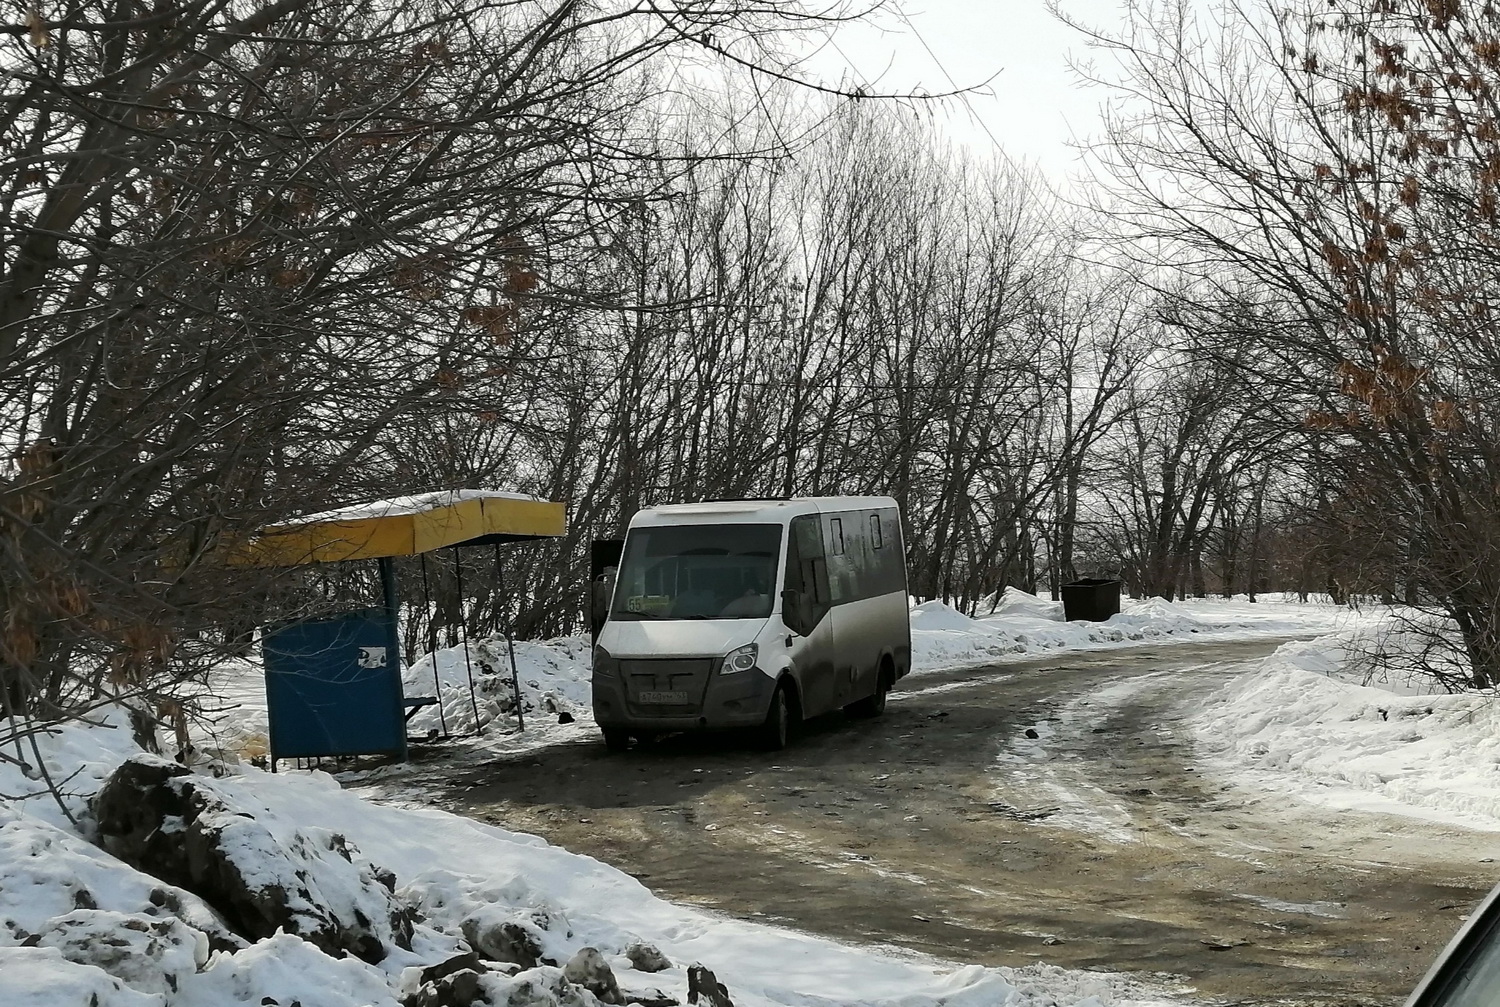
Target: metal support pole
<point>388,586</point>
<point>393,614</point>
<point>510,639</point>
<point>458,570</point>
<point>437,685</point>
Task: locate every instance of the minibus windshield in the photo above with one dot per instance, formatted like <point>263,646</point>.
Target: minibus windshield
<point>698,571</point>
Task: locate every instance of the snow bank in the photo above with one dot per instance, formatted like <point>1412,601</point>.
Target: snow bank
<point>553,674</point>
<point>555,700</point>
<point>284,970</point>
<point>1319,722</point>
<point>42,977</point>
<point>79,926</point>
<point>1025,625</point>
<point>48,872</point>
<point>78,757</point>
<point>455,870</point>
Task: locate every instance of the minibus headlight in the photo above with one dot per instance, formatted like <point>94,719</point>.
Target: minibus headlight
<point>604,665</point>
<point>742,659</point>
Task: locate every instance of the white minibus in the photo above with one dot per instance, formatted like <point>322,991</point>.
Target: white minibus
<point>753,614</point>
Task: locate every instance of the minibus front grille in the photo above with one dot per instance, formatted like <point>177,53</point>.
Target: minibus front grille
<point>666,686</point>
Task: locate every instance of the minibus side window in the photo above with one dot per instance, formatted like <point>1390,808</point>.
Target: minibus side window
<point>848,560</point>
<point>792,579</point>
<point>888,567</point>
<point>884,573</point>
<point>806,569</point>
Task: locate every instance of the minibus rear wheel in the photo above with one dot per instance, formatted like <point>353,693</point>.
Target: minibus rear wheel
<point>874,706</point>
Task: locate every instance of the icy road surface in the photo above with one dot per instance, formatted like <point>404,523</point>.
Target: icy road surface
<point>1048,811</point>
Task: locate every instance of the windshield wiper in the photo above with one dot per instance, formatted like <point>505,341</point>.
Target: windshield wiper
<point>643,617</point>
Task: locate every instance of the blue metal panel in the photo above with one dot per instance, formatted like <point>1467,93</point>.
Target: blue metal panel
<point>333,687</point>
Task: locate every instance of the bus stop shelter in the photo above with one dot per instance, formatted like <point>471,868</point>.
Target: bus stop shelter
<point>333,684</point>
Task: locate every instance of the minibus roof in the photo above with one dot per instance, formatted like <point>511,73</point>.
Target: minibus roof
<point>753,511</point>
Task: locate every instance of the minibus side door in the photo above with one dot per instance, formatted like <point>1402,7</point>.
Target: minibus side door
<point>851,639</point>
<point>806,588</point>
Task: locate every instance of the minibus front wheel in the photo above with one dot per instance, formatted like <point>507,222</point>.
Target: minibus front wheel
<point>616,739</point>
<point>780,719</point>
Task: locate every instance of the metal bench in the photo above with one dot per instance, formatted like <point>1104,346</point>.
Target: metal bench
<point>415,703</point>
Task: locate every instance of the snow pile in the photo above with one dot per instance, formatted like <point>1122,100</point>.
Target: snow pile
<point>50,872</point>
<point>1386,648</point>
<point>1317,721</point>
<point>555,698</point>
<point>474,878</point>
<point>1399,649</point>
<point>77,757</point>
<point>1017,604</point>
<point>262,874</point>
<point>79,926</point>
<point>1024,625</point>
<point>553,674</point>
<point>42,976</point>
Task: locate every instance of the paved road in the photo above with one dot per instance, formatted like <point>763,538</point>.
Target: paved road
<point>945,828</point>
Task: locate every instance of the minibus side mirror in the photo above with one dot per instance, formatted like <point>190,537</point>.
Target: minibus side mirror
<point>793,611</point>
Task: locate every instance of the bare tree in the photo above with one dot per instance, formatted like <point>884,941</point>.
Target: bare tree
<point>1337,165</point>
<point>245,242</point>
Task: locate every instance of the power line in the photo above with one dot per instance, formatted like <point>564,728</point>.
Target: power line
<point>951,82</point>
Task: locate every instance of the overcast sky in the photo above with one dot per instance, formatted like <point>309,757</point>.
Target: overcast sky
<point>1037,106</point>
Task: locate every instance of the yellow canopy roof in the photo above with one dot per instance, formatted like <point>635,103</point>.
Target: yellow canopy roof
<point>404,526</point>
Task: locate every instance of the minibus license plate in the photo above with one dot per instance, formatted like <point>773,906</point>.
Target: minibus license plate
<point>664,698</point>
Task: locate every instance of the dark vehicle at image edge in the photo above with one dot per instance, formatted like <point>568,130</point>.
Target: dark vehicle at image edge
<point>1467,973</point>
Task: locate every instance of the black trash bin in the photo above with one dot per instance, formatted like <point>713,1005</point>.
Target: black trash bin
<point>1091,600</point>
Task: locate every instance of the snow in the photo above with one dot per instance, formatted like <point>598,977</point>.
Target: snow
<point>1317,722</point>
<point>149,955</point>
<point>288,970</point>
<point>78,757</point>
<point>554,674</point>
<point>1025,625</point>
<point>47,872</point>
<point>317,875</point>
<point>404,505</point>
<point>79,926</point>
<point>42,977</point>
